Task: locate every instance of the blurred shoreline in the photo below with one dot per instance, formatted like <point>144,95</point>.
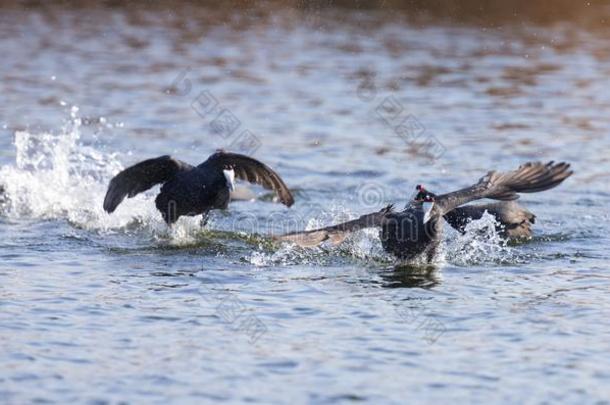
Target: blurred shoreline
<point>593,14</point>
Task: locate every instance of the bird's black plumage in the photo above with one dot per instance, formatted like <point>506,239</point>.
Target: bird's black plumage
<point>411,232</point>
<point>190,190</point>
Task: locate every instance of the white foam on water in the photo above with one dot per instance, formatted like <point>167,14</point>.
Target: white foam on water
<point>56,176</point>
<point>481,243</point>
<point>364,244</point>
<point>291,254</point>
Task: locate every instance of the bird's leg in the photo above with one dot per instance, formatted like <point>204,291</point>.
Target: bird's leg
<point>205,217</point>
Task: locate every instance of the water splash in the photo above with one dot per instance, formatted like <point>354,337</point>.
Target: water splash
<point>480,243</point>
<point>287,255</point>
<point>57,176</point>
<point>363,245</point>
<point>52,176</point>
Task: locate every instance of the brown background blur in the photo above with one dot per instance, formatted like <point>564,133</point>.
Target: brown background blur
<point>593,12</point>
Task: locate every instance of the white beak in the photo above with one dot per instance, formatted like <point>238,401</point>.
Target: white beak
<point>230,176</point>
<point>428,211</point>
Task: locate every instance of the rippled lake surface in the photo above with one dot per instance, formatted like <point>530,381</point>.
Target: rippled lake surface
<point>100,308</point>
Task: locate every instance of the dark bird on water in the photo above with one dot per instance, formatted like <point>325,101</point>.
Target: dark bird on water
<point>412,232</point>
<point>193,190</point>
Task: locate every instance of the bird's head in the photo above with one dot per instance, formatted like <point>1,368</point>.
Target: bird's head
<point>423,195</point>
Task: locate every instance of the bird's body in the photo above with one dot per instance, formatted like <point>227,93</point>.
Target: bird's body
<point>413,232</point>
<point>192,190</point>
<point>406,234</point>
<point>191,193</point>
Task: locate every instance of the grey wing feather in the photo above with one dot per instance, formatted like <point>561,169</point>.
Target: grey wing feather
<point>253,171</point>
<point>530,177</point>
<point>141,177</point>
<point>336,233</point>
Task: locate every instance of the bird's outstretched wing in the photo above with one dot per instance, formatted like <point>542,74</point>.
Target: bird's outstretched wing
<point>336,233</point>
<point>530,177</point>
<point>141,177</point>
<point>253,171</point>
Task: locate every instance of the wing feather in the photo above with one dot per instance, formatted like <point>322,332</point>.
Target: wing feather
<point>253,171</point>
<point>530,177</point>
<point>336,233</point>
<point>141,177</point>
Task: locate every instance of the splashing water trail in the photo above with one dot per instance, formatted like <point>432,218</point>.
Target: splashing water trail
<point>56,176</point>
<point>480,243</point>
<point>289,254</point>
<point>363,245</point>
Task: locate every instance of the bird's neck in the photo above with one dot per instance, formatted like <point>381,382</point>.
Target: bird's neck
<point>415,205</point>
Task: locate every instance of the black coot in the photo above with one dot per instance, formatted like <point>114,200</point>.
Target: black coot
<point>412,232</point>
<point>190,190</point>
